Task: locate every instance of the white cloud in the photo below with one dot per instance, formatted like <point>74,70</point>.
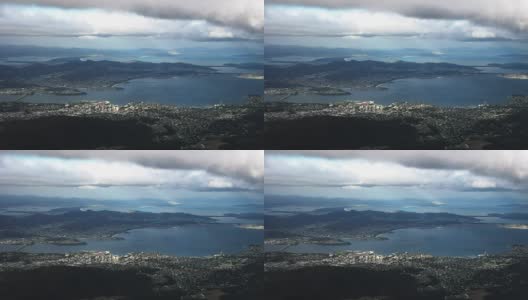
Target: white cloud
<point>413,169</point>
<point>354,23</point>
<point>245,165</point>
<point>94,23</point>
<point>483,183</point>
<point>89,172</point>
<point>507,165</point>
<point>245,14</point>
<point>482,33</point>
<point>88,187</point>
<point>219,183</point>
<point>510,14</point>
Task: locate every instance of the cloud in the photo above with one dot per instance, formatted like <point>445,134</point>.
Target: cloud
<point>355,23</point>
<point>96,23</point>
<point>511,15</point>
<point>192,170</point>
<point>457,170</point>
<point>246,165</point>
<point>292,21</point>
<point>245,14</point>
<point>483,183</point>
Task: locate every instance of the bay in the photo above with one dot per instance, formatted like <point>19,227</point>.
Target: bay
<point>457,91</point>
<point>188,91</point>
<point>189,240</point>
<point>457,240</point>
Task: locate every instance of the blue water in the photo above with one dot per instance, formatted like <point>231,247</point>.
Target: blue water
<point>188,91</point>
<point>190,240</point>
<point>457,240</point>
<point>442,91</point>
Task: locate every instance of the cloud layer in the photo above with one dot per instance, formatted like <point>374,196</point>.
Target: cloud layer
<point>465,171</point>
<point>247,14</point>
<point>459,20</point>
<point>199,20</point>
<point>191,170</point>
<point>510,14</point>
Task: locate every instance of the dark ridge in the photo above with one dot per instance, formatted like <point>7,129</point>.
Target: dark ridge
<point>309,126</point>
<point>343,133</point>
<point>344,283</point>
<point>66,283</point>
<point>101,125</point>
<point>509,133</point>
<point>249,129</point>
<point>511,286</point>
<point>65,132</point>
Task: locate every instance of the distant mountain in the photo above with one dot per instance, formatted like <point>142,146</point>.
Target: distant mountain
<point>74,223</point>
<point>338,222</point>
<point>341,218</point>
<point>74,72</point>
<point>466,55</point>
<point>338,71</point>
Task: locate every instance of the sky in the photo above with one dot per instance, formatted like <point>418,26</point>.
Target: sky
<point>398,23</point>
<point>122,24</point>
<point>435,178</point>
<point>133,175</point>
<point>432,180</point>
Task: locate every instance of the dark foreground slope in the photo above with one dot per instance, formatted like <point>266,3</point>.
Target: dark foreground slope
<point>366,275</point>
<point>93,275</point>
<point>101,125</point>
<point>398,126</point>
